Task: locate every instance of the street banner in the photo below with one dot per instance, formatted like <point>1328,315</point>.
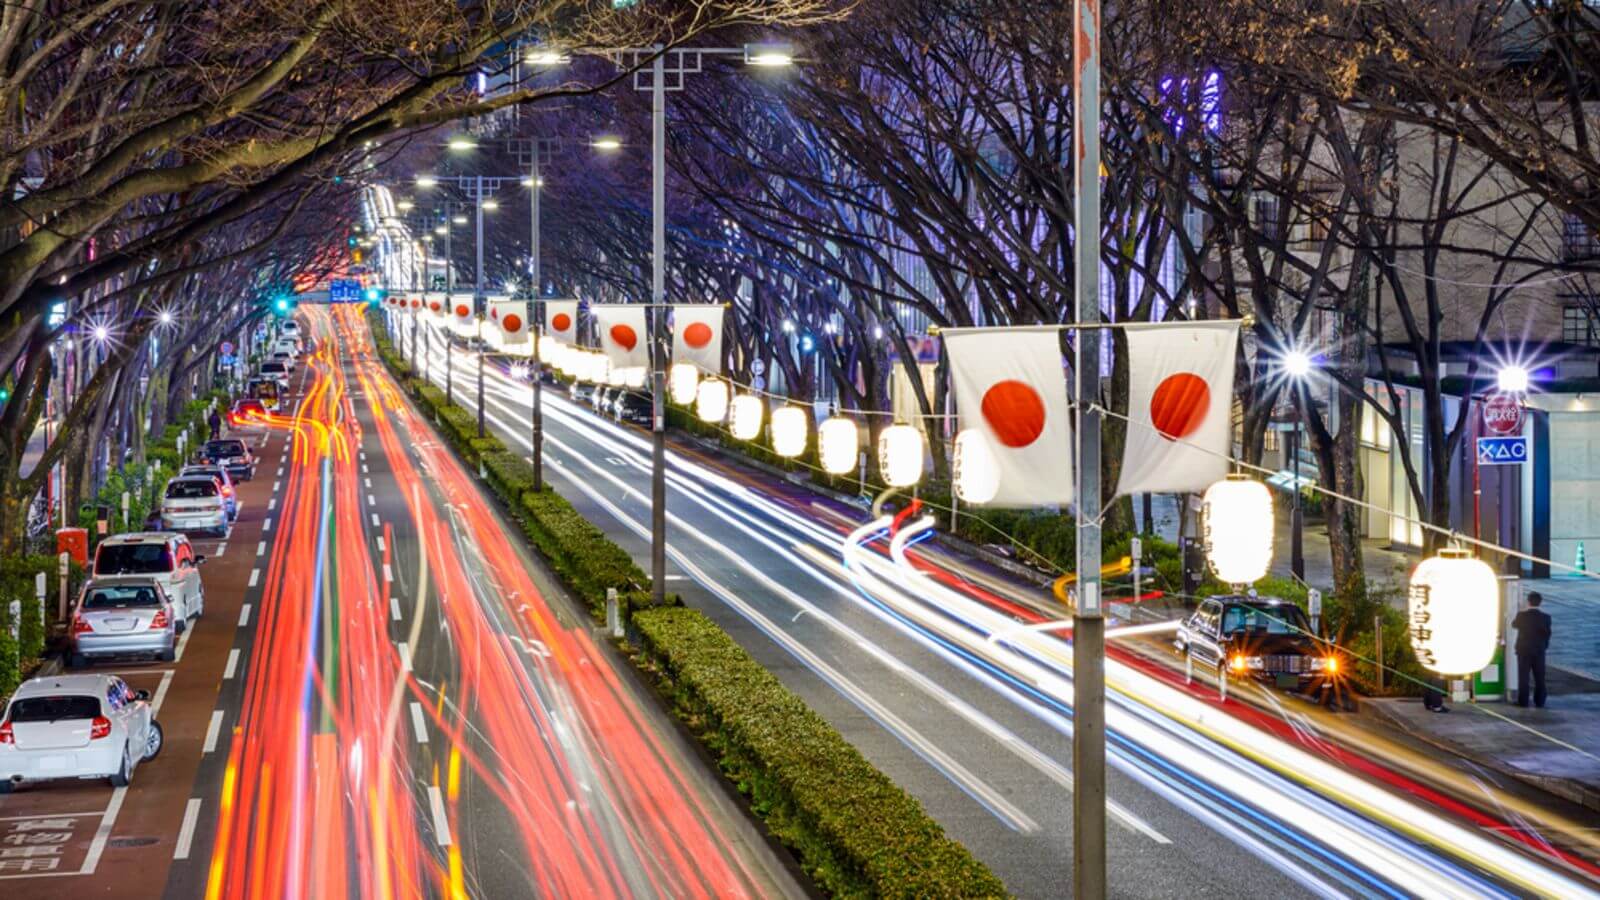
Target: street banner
<point>697,336</point>
<point>1180,427</point>
<point>1011,391</point>
<point>434,303</point>
<point>461,311</point>
<point>512,317</point>
<point>623,338</point>
<point>561,320</point>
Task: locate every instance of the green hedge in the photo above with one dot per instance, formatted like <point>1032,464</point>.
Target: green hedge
<point>855,831</point>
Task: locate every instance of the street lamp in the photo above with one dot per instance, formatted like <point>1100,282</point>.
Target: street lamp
<point>606,143</point>
<point>770,55</point>
<point>1513,379</point>
<point>459,144</point>
<point>426,181</point>
<point>546,57</point>
<point>405,206</point>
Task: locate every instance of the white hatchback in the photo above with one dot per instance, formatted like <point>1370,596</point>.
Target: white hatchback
<point>76,726</point>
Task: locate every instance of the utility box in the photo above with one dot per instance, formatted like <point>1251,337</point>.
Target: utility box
<point>75,543</point>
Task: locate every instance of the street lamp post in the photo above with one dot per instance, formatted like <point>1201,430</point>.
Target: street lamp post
<point>535,331</point>
<point>477,293</point>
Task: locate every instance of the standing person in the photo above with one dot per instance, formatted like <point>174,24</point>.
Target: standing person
<point>1533,639</point>
<point>215,421</point>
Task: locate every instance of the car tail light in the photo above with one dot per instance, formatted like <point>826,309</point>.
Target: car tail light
<point>99,728</point>
<point>81,625</point>
<point>227,491</point>
<point>5,734</point>
<point>159,620</point>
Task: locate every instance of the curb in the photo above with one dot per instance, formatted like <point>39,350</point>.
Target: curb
<point>1585,795</point>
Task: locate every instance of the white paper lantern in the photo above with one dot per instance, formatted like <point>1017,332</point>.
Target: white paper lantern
<point>975,470</point>
<point>711,400</point>
<point>789,431</point>
<point>683,378</point>
<point>634,377</point>
<point>1454,608</point>
<point>1237,526</point>
<point>838,442</point>
<point>745,418</point>
<point>900,453</point>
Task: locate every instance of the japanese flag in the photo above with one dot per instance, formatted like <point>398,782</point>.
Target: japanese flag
<point>436,306</point>
<point>1180,404</point>
<point>512,317</point>
<point>622,334</point>
<point>697,336</point>
<point>561,320</point>
<point>1011,393</point>
<point>461,311</point>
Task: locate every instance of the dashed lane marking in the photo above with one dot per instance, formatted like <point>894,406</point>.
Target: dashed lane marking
<point>375,521</point>
<point>441,825</point>
<point>191,816</point>
<point>244,615</point>
<point>261,548</point>
<point>405,656</point>
<point>266,525</point>
<point>255,576</point>
<point>418,724</point>
<point>394,608</point>
<point>212,731</point>
<point>233,664</point>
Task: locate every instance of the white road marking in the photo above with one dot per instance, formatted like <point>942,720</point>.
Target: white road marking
<point>233,664</point>
<point>103,833</point>
<point>405,656</point>
<point>441,825</point>
<point>261,548</point>
<point>212,731</point>
<point>266,525</point>
<point>255,576</point>
<point>177,652</point>
<point>394,608</point>
<point>186,833</point>
<point>371,500</point>
<point>272,504</point>
<point>221,549</point>
<point>375,522</point>
<point>364,469</point>
<point>275,486</point>
<point>161,692</point>
<point>380,544</point>
<point>280,475</point>
<point>244,615</point>
<point>191,815</point>
<point>388,573</point>
<point>418,723</point>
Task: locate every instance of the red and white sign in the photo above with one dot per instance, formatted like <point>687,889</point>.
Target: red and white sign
<point>512,317</point>
<point>623,338</point>
<point>561,320</point>
<point>1011,388</point>
<point>461,311</point>
<point>697,336</point>
<point>1180,430</point>
<point>1503,414</point>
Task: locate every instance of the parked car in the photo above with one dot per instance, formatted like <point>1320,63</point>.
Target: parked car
<point>1261,638</point>
<point>289,345</point>
<point>232,454</point>
<point>580,392</point>
<point>76,726</point>
<point>276,371</point>
<point>289,326</point>
<point>251,410</point>
<point>230,497</point>
<point>285,357</point>
<point>632,406</point>
<point>165,556</point>
<point>194,504</point>
<point>128,615</point>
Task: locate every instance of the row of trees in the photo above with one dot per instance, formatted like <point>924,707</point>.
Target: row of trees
<point>1348,175</point>
<point>168,168</point>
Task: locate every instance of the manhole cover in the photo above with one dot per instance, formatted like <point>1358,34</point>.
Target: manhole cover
<point>132,842</point>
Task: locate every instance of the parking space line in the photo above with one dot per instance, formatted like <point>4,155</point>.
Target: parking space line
<point>161,692</point>
<point>441,825</point>
<point>103,833</point>
<point>221,549</point>
<point>405,656</point>
<point>418,723</point>
<point>233,664</point>
<point>191,815</point>
<point>177,652</point>
<point>212,730</point>
<point>255,576</point>
<point>394,608</point>
<point>244,615</point>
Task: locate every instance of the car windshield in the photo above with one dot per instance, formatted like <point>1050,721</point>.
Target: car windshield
<point>191,489</point>
<point>205,472</point>
<point>272,367</point>
<point>132,559</point>
<point>121,596</point>
<point>224,448</point>
<point>1285,619</point>
<point>53,709</point>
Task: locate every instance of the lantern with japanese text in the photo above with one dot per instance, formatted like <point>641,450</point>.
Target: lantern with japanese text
<point>789,431</point>
<point>838,442</point>
<point>683,378</point>
<point>974,470</point>
<point>744,419</point>
<point>711,400</point>
<point>900,452</point>
<point>1454,611</point>
<point>1237,528</point>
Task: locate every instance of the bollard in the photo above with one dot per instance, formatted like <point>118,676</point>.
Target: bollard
<point>1136,550</point>
<point>1314,601</point>
<point>613,613</point>
<point>41,588</point>
<point>63,566</point>
<point>125,502</point>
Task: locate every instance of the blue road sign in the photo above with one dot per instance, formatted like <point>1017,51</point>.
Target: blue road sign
<point>1502,451</point>
<point>344,290</point>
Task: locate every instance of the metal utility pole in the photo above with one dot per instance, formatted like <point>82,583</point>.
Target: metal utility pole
<point>1089,627</point>
<point>535,325</point>
<point>477,292</point>
<point>1297,553</point>
<point>658,346</point>
<point>449,289</point>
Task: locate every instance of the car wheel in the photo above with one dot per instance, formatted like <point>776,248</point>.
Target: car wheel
<point>123,775</point>
<point>6,786</point>
<point>200,606</point>
<point>154,740</point>
<point>180,626</point>
<point>77,661</point>
<point>167,655</point>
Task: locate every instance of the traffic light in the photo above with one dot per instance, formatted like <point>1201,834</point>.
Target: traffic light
<point>374,295</point>
<point>283,306</point>
<point>5,394</point>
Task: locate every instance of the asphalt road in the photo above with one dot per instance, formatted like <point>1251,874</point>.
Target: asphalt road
<point>1209,799</point>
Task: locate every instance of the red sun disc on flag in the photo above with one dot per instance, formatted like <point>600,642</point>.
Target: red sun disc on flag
<point>434,306</point>
<point>494,314</point>
<point>1014,412</point>
<point>624,336</point>
<point>561,321</point>
<point>512,323</point>
<point>697,335</point>
<point>462,310</point>
<point>1179,405</point>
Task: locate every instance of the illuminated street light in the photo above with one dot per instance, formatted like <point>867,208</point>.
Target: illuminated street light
<point>546,57</point>
<point>426,181</point>
<point>1297,363</point>
<point>1513,379</point>
<point>460,143</point>
<point>769,55</point>
<point>405,205</point>
<point>165,317</point>
<point>491,205</point>
<point>440,229</point>
<point>606,143</point>
<point>101,334</point>
<point>529,182</point>
<point>459,220</point>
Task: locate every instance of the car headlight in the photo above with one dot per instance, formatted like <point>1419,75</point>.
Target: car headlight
<point>1326,664</point>
<point>1239,662</point>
